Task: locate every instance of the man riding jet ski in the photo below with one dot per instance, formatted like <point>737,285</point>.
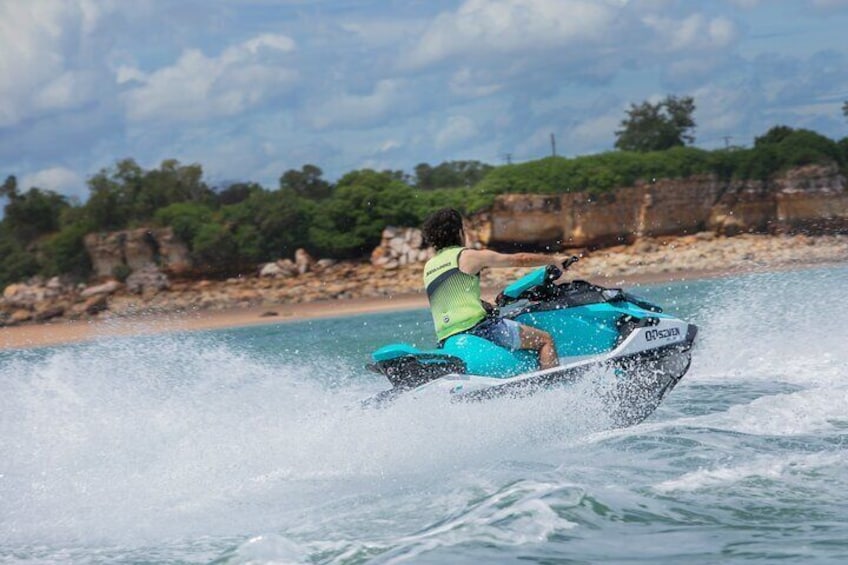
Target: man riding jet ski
<point>548,333</point>
<point>452,281</point>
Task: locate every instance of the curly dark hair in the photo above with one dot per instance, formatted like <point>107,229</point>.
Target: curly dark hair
<point>443,228</point>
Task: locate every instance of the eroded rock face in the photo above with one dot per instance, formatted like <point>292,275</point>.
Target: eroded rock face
<point>607,219</point>
<point>106,251</point>
<point>109,287</point>
<point>527,219</point>
<point>147,280</point>
<point>399,247</point>
<point>137,250</point>
<point>812,199</point>
<point>303,261</point>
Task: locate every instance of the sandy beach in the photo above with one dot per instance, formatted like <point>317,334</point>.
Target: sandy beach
<point>60,332</point>
<point>643,263</point>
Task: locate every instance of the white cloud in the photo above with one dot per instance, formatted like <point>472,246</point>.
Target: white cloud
<point>390,145</point>
<point>255,88</point>
<point>37,43</point>
<point>595,132</point>
<point>735,110</point>
<point>198,88</point>
<point>58,179</point>
<point>378,31</point>
<point>124,74</point>
<point>503,48</point>
<point>494,27</point>
<point>458,129</point>
<point>468,83</point>
<point>679,74</point>
<point>693,32</point>
<point>270,41</point>
<point>67,91</point>
<point>498,31</point>
<point>360,110</point>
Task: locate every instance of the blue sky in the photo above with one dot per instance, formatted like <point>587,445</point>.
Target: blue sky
<point>251,88</point>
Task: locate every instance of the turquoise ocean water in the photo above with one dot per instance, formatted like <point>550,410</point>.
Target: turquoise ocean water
<point>248,445</point>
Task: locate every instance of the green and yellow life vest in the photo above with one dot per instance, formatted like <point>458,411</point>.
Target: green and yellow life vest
<point>454,296</point>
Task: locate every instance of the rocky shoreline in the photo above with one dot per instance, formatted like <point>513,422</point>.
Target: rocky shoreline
<point>306,281</point>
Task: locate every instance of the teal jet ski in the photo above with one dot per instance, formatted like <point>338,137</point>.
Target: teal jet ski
<point>596,330</point>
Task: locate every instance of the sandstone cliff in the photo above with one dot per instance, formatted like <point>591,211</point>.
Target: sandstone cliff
<point>136,250</point>
<point>811,199</point>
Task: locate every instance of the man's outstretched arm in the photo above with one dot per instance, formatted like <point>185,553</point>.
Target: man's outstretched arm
<point>472,261</point>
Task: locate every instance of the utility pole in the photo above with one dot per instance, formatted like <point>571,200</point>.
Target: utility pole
<point>727,139</point>
<point>553,145</point>
<point>508,158</point>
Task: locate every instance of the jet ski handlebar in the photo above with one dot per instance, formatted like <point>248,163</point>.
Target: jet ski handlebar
<point>554,272</point>
<point>569,262</point>
<point>537,285</point>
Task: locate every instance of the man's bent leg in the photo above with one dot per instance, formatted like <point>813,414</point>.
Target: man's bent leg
<point>541,341</point>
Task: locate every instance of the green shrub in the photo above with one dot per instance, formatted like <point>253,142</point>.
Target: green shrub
<point>185,218</point>
<point>33,214</point>
<point>214,248</point>
<point>595,173</point>
<point>121,272</point>
<point>64,252</point>
<point>270,224</point>
<point>805,147</point>
<point>782,148</point>
<point>843,148</point>
<point>248,242</point>
<point>16,264</point>
<point>350,223</point>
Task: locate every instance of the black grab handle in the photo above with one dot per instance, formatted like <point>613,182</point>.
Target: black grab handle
<point>569,262</point>
<point>553,272</point>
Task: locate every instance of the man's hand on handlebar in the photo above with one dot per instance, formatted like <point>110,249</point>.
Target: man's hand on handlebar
<point>569,262</point>
<point>560,266</point>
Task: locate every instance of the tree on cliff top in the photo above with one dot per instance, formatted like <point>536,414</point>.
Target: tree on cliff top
<point>450,174</point>
<point>34,213</point>
<point>657,127</point>
<point>774,135</point>
<point>799,147</point>
<point>9,188</point>
<point>306,183</point>
<point>127,195</point>
<point>364,202</point>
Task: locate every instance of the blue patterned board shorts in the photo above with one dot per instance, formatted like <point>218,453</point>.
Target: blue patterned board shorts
<point>499,331</point>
